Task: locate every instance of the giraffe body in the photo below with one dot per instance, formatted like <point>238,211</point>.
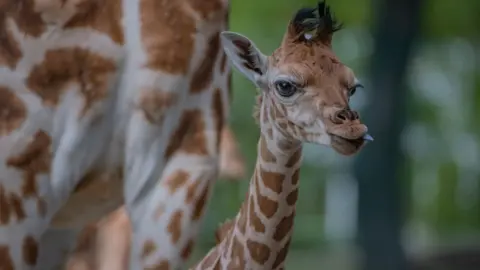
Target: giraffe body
<point>304,97</point>
<point>105,102</point>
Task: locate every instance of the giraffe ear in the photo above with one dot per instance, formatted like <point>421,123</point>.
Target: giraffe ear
<point>245,56</point>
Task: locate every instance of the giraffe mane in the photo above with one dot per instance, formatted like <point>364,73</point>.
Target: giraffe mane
<point>257,106</point>
<point>223,230</point>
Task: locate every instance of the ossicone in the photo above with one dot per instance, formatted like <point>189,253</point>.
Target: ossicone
<point>314,24</point>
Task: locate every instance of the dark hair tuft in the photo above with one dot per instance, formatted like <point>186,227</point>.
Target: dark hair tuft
<point>319,20</point>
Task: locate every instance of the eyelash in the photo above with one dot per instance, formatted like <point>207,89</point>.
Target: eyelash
<point>353,89</point>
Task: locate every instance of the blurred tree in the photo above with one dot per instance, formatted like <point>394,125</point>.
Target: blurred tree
<point>396,25</point>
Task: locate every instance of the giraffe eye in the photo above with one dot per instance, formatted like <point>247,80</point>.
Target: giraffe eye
<point>285,88</point>
<point>352,90</point>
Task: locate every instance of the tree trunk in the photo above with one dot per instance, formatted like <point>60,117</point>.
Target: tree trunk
<point>378,165</point>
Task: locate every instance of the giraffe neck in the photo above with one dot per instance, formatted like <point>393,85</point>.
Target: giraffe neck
<point>260,235</point>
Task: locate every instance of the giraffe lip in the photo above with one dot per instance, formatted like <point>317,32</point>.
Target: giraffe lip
<point>347,146</point>
<point>366,137</point>
<point>356,142</point>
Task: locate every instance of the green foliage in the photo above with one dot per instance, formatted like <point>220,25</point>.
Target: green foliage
<point>265,22</point>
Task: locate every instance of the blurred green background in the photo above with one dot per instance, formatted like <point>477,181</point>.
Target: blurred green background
<point>418,189</point>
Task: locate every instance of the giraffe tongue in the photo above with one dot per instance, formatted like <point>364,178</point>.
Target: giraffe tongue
<point>367,137</point>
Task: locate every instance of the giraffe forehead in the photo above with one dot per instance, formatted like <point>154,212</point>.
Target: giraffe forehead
<point>313,65</point>
<point>301,52</point>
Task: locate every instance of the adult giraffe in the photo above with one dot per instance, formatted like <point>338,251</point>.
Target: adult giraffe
<point>104,102</point>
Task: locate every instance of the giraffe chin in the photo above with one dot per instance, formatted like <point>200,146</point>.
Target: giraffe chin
<point>347,147</point>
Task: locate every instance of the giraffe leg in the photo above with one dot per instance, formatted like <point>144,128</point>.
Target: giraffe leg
<point>173,136</point>
<point>170,226</point>
<point>19,244</point>
<point>171,166</point>
<point>104,245</point>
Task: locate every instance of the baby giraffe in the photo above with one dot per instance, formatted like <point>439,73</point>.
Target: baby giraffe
<point>304,98</point>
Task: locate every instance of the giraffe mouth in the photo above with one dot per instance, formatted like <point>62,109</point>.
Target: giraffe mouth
<point>346,146</point>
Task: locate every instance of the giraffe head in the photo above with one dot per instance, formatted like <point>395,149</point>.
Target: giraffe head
<point>305,89</point>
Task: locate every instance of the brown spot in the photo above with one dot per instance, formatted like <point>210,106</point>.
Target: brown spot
<point>29,185</point>
<point>34,159</point>
<point>5,206</point>
<point>284,227</point>
<point>223,230</point>
<point>192,189</point>
<point>218,265</point>
<point>87,180</point>
<point>254,221</point>
<point>281,256</point>
<point>206,9</point>
<point>176,180</point>
<point>6,262</point>
<point>244,52</point>
<point>103,16</point>
<point>148,248</point>
<point>23,13</point>
<point>292,197</point>
<point>154,103</point>
<point>293,160</point>
<point>169,47</point>
<point>272,180</point>
<point>296,177</point>
<point>17,206</point>
<point>10,52</point>
<point>30,250</point>
<point>223,62</point>
<point>270,133</point>
<point>274,112</point>
<point>218,115</point>
<point>258,251</point>
<point>60,67</point>
<point>13,111</point>
<point>265,153</point>
<point>267,206</point>
<point>189,136</point>
<point>242,219</point>
<point>210,259</point>
<point>187,250</point>
<point>11,206</point>
<point>174,227</point>
<point>238,256</point>
<point>200,203</point>
<point>204,73</point>
<point>162,265</point>
<point>282,125</point>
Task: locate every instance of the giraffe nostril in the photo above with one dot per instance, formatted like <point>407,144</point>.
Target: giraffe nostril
<point>341,115</point>
<point>355,115</point>
<point>345,115</point>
